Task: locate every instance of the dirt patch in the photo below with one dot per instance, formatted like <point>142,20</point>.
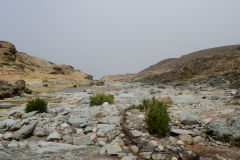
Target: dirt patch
<point>209,151</point>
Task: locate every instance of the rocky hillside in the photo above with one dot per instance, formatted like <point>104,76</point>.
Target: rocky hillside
<point>35,71</point>
<point>12,60</point>
<point>221,61</point>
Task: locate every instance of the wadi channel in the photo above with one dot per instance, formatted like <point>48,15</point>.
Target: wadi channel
<point>204,124</point>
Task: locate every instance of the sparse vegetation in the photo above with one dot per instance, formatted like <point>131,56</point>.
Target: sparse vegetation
<point>99,98</point>
<point>36,105</point>
<point>157,118</point>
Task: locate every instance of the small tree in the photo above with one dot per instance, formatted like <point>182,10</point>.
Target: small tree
<point>36,105</point>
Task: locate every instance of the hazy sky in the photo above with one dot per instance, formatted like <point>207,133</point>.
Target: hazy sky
<point>102,37</point>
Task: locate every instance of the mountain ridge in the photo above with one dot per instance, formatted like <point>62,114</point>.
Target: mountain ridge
<point>219,60</point>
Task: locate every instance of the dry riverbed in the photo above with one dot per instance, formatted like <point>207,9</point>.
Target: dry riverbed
<point>205,124</point>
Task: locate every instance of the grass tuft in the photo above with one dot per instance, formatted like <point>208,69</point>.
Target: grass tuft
<point>99,98</point>
<point>36,105</point>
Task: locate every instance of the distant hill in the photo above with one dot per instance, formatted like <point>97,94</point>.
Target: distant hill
<point>172,63</point>
<point>220,60</point>
<point>15,65</point>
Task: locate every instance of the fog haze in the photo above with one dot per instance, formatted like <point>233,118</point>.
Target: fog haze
<point>103,37</point>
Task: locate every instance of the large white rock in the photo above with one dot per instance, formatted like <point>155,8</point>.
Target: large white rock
<point>46,147</point>
<point>9,122</point>
<point>54,136</point>
<point>83,140</point>
<point>105,127</point>
<point>77,122</point>
<point>136,133</point>
<point>112,149</point>
<point>183,99</point>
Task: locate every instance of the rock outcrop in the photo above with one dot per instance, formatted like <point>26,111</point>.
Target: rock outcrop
<point>12,60</point>
<point>39,74</point>
<point>8,90</point>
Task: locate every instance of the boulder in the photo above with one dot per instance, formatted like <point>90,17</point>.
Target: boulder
<point>111,120</point>
<point>25,131</point>
<point>198,139</point>
<point>40,132</point>
<point>190,118</point>
<point>77,122</point>
<point>9,122</point>
<point>234,121</point>
<point>227,111</point>
<point>112,149</point>
<point>51,147</point>
<point>105,127</point>
<point>83,140</point>
<point>180,131</point>
<point>8,90</point>
<point>54,136</point>
<point>136,133</point>
<point>29,114</point>
<point>183,99</point>
<point>219,130</point>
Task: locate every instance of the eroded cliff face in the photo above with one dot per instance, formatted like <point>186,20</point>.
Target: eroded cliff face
<point>37,72</point>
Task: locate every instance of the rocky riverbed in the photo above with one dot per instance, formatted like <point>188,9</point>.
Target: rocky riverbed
<point>205,124</point>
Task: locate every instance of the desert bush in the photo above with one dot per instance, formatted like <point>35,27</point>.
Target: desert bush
<point>99,98</point>
<point>36,105</point>
<point>157,118</point>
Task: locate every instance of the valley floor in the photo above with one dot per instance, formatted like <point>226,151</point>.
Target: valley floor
<point>205,124</point>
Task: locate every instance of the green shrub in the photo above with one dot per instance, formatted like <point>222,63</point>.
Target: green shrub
<point>36,105</point>
<point>99,98</point>
<point>157,118</point>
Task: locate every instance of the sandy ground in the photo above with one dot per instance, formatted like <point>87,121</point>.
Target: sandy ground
<point>41,82</point>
